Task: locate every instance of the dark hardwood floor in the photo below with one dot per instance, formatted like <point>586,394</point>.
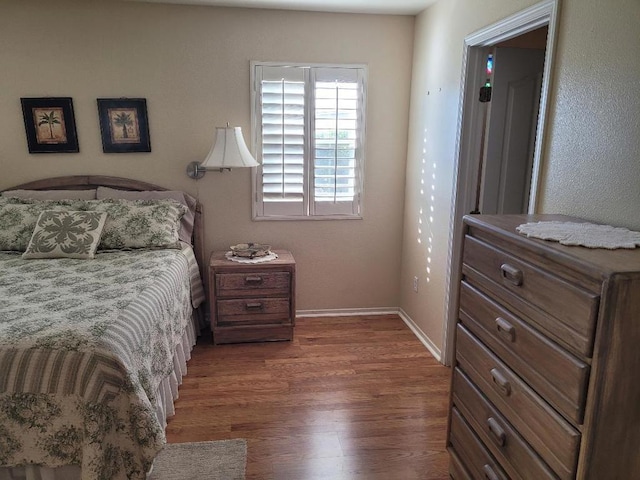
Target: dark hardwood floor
<point>349,398</point>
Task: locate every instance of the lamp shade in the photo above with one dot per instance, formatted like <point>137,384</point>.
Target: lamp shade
<point>229,151</point>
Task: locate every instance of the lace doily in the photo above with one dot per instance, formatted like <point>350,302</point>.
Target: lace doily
<point>266,258</point>
<point>588,235</point>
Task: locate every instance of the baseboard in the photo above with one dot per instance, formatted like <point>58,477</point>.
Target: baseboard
<point>345,312</point>
<point>426,341</point>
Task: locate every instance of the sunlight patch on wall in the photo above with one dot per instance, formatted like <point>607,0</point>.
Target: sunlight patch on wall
<point>427,202</point>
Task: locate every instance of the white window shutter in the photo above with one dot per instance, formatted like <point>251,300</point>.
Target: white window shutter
<point>337,128</point>
<point>309,135</point>
<point>282,141</point>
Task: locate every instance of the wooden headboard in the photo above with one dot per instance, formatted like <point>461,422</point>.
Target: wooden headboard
<point>88,182</point>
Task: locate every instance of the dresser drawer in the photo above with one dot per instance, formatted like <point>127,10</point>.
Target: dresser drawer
<point>557,306</point>
<point>252,284</point>
<point>253,311</point>
<point>552,372</point>
<point>457,471</point>
<point>471,452</point>
<point>552,437</point>
<point>506,445</point>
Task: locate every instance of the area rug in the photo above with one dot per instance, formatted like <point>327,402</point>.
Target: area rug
<point>219,460</point>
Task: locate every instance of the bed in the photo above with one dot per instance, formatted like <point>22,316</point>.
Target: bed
<point>92,349</point>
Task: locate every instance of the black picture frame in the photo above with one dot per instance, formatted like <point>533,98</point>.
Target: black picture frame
<point>124,125</point>
<point>50,125</point>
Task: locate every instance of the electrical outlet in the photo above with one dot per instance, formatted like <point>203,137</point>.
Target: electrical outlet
<point>415,284</point>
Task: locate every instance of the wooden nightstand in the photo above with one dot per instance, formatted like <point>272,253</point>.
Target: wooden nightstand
<point>252,302</point>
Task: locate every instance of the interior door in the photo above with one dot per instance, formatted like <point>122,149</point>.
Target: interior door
<point>511,130</point>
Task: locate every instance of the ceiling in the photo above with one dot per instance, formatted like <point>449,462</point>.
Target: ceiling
<point>391,7</point>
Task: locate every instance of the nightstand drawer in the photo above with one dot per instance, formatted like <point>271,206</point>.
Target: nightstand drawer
<point>251,311</point>
<point>531,289</point>
<point>470,450</point>
<point>554,373</point>
<point>252,284</point>
<point>553,438</point>
<point>504,442</point>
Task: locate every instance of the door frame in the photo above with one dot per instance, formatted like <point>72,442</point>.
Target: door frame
<point>469,133</point>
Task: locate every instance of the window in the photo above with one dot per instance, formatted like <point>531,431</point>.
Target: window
<point>308,124</point>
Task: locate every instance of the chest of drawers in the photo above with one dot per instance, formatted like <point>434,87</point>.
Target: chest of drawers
<point>546,378</point>
<point>252,302</point>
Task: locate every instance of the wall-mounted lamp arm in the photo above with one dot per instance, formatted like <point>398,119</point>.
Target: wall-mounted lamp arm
<point>196,171</point>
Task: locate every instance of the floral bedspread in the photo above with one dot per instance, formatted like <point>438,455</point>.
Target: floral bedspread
<point>84,345</point>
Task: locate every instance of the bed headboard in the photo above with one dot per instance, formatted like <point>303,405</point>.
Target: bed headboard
<point>88,182</point>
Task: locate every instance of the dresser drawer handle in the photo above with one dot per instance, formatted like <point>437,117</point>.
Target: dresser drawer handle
<point>489,474</point>
<point>254,306</point>
<point>496,430</point>
<point>500,380</point>
<point>511,274</point>
<point>255,279</point>
<point>505,329</point>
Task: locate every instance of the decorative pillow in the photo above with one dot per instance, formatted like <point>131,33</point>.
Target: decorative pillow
<point>66,234</point>
<point>52,194</point>
<point>186,223</point>
<point>18,218</point>
<point>139,223</point>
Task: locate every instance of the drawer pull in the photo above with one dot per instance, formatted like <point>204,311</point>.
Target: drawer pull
<point>505,329</point>
<point>500,380</point>
<point>253,279</point>
<point>254,306</point>
<point>489,474</point>
<point>511,274</point>
<point>496,430</point>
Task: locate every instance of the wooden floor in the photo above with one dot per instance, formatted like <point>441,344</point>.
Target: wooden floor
<point>349,398</point>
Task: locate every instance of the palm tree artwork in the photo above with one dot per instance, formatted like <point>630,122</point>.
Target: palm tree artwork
<point>49,119</point>
<point>123,120</point>
<point>124,125</point>
<point>50,125</point>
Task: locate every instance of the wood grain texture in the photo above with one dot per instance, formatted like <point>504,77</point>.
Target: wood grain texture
<point>543,428</point>
<point>517,458</point>
<point>252,302</point>
<point>550,370</point>
<point>349,398</point>
<point>606,340</point>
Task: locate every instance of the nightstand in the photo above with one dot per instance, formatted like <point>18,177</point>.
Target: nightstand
<point>252,302</point>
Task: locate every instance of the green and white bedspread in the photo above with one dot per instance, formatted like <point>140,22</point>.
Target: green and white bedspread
<point>84,345</point>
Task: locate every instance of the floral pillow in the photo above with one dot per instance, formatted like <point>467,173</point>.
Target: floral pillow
<point>18,218</point>
<point>139,223</point>
<point>186,222</point>
<point>66,234</point>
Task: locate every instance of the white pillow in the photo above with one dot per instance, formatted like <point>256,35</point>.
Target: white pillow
<point>52,194</point>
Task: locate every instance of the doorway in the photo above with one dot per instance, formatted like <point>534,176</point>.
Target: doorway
<point>515,68</point>
<point>483,179</point>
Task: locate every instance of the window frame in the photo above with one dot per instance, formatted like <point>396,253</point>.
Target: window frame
<point>308,210</point>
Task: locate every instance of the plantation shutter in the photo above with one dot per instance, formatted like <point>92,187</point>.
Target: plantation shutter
<point>283,139</point>
<point>337,127</point>
<point>309,138</point>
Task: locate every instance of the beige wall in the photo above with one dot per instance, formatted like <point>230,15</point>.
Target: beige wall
<point>591,164</point>
<point>192,66</point>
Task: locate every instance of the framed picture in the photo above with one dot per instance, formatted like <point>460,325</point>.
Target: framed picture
<point>124,125</point>
<point>50,125</point>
